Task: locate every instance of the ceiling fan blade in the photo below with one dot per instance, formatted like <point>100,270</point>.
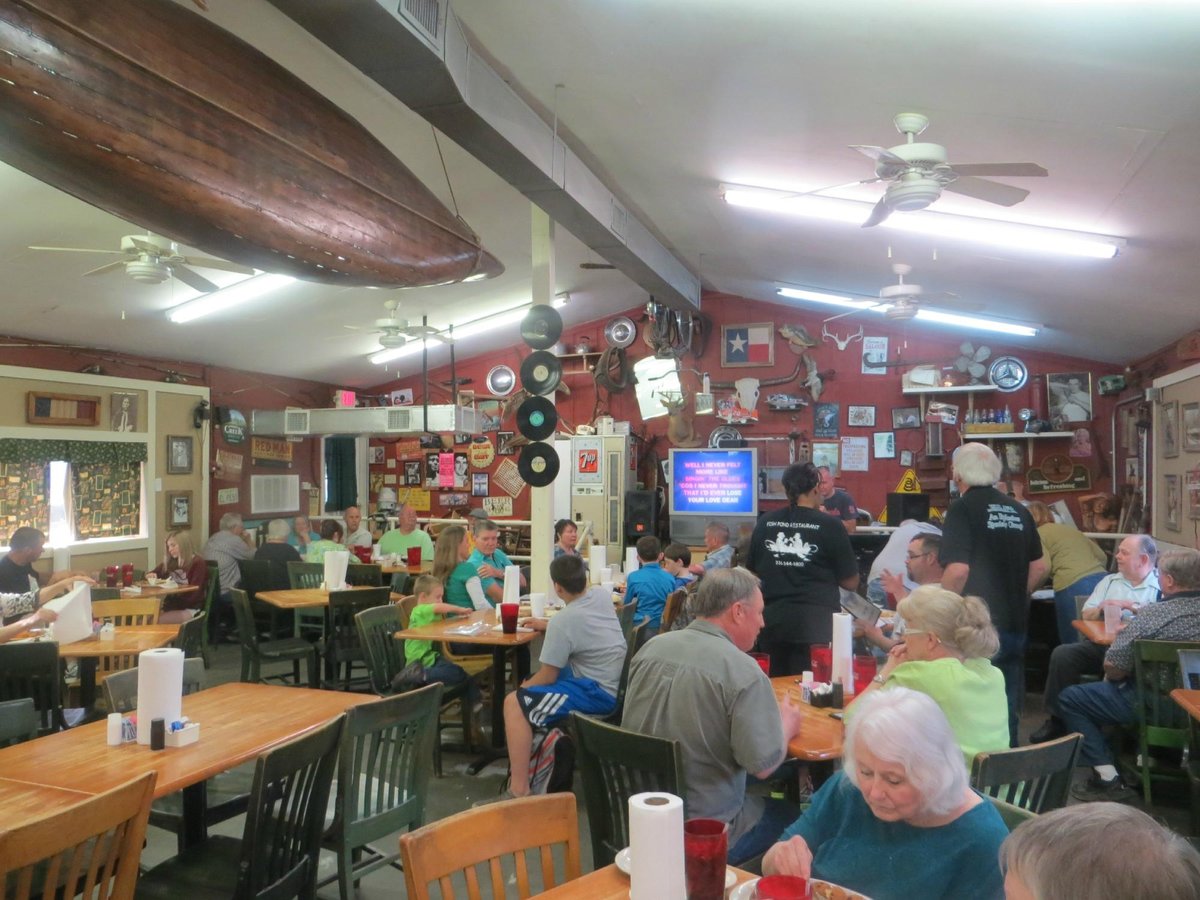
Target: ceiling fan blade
<point>208,262</point>
<point>990,191</point>
<point>148,246</point>
<point>596,265</point>
<point>952,303</point>
<point>1024,170</point>
<point>880,155</point>
<point>107,267</point>
<point>192,279</point>
<point>78,250</point>
<point>878,214</point>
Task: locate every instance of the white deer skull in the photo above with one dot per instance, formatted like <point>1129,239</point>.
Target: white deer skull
<point>842,343</point>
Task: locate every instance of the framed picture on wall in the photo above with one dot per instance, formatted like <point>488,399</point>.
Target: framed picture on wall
<point>861,416</point>
<point>1069,396</point>
<point>747,345</point>
<point>179,454</point>
<point>770,483</point>
<point>179,509</point>
<point>1190,427</point>
<point>1169,429</point>
<point>1171,502</point>
<point>123,411</point>
<point>906,417</point>
<point>826,453</point>
<point>479,484</point>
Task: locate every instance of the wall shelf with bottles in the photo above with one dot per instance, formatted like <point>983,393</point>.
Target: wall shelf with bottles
<point>1028,437</point>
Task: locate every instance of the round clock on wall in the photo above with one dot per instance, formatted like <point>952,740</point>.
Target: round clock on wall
<point>1008,373</point>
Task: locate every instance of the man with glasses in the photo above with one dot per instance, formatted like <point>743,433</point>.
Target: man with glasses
<point>891,558</point>
<point>921,566</point>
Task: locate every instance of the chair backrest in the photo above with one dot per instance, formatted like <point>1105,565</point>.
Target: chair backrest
<point>105,593</point>
<point>286,816</point>
<point>614,764</point>
<point>121,688</point>
<point>406,605</point>
<point>1080,600</point>
<point>92,848</point>
<point>631,646</point>
<point>1189,669</point>
<point>212,587</point>
<point>191,636</point>
<point>32,670</point>
<point>1036,778</point>
<point>458,844</point>
<point>364,575</point>
<point>1012,815</point>
<point>673,607</point>
<point>18,721</point>
<point>345,605</point>
<point>305,574</point>
<point>383,653</point>
<point>384,765</point>
<point>244,617</point>
<point>256,576</point>
<point>1163,723</point>
<point>625,615</point>
<point>128,611</point>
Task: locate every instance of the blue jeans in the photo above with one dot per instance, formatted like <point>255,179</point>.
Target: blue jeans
<point>1064,606</point>
<point>777,815</point>
<point>1010,660</point>
<point>1086,708</point>
<point>450,674</point>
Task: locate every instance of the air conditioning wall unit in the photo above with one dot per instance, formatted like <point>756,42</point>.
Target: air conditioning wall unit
<point>389,420</point>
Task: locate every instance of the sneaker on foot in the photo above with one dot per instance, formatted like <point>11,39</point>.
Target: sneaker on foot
<point>1113,790</point>
<point>412,675</point>
<point>1051,729</point>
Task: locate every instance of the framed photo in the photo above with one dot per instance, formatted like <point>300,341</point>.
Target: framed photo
<point>1190,427</point>
<point>1171,502</point>
<point>489,415</point>
<point>504,443</point>
<point>747,345</point>
<point>1170,429</point>
<point>412,473</point>
<point>1069,396</point>
<point>376,456</point>
<point>1191,486</point>
<point>461,465</point>
<point>1012,455</point>
<point>825,453</point>
<point>906,417</point>
<point>770,483</point>
<point>885,445</point>
<point>479,484</point>
<point>179,509</point>
<point>123,411</point>
<point>906,457</point>
<point>825,420</point>
<point>179,454</point>
<point>861,416</point>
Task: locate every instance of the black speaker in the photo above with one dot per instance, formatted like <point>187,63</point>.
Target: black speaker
<point>221,415</point>
<point>907,506</point>
<point>641,516</point>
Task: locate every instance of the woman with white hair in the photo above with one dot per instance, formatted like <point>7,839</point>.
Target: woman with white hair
<point>948,642</point>
<point>278,552</point>
<point>900,820</point>
<point>1100,850</point>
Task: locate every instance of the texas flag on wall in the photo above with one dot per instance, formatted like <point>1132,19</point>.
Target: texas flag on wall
<point>748,344</point>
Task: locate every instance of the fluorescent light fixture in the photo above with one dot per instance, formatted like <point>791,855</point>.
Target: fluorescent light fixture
<point>470,329</point>
<point>925,314</point>
<point>233,295</point>
<point>1013,235</point>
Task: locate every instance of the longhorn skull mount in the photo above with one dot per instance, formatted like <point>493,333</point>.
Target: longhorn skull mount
<point>842,343</point>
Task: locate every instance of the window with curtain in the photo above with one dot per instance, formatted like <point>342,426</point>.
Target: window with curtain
<point>341,480</point>
<point>71,490</point>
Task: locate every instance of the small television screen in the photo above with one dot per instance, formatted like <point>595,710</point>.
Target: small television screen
<point>907,506</point>
<point>714,482</point>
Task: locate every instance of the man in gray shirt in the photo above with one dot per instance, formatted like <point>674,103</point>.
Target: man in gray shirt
<point>699,687</point>
<point>225,548</point>
<point>580,669</point>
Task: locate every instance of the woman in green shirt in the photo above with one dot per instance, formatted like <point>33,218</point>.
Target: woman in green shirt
<point>450,566</point>
<point>331,539</point>
<point>948,641</point>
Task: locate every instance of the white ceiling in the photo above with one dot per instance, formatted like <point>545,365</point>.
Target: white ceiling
<point>666,99</point>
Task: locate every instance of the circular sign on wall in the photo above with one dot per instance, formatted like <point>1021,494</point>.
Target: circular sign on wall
<point>481,452</point>
<point>234,429</point>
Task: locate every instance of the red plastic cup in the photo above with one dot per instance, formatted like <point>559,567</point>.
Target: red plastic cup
<point>414,557</point>
<point>705,845</point>
<point>110,576</point>
<point>821,658</point>
<point>127,574</point>
<point>508,617</point>
<point>865,669</point>
<point>764,662</point>
<point>782,887</point>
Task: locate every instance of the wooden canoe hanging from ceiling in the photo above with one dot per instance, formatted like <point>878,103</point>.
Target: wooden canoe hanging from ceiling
<point>150,112</point>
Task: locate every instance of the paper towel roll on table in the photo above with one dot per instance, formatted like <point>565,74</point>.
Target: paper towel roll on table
<point>597,560</point>
<point>160,688</point>
<point>336,562</point>
<point>842,651</point>
<point>631,560</point>
<point>656,847</point>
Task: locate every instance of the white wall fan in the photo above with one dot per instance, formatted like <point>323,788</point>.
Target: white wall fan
<point>150,259</point>
<point>917,173</point>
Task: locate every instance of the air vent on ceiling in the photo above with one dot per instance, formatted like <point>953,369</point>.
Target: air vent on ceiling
<point>295,421</point>
<point>425,16</point>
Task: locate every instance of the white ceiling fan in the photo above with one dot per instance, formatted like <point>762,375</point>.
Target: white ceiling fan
<point>917,173</point>
<point>152,260</point>
<point>901,301</point>
<point>394,333</point>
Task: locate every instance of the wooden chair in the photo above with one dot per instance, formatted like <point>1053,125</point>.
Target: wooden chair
<point>631,647</point>
<point>105,593</point>
<point>307,575</point>
<point>384,655</point>
<point>382,778</point>
<point>342,648</point>
<point>121,688</point>
<point>673,607</point>
<point>190,638</point>
<point>1036,778</point>
<point>277,855</point>
<point>212,588</point>
<point>18,721</point>
<point>614,764</point>
<point>32,671</point>
<point>91,848</point>
<point>259,575</point>
<point>1161,723</point>
<point>128,611</point>
<point>364,575</point>
<point>255,652</point>
<point>626,615</point>
<point>1012,815</point>
<point>492,834</point>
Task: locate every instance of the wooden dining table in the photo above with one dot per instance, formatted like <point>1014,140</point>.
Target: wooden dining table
<point>158,589</point>
<point>128,640</point>
<point>306,598</point>
<point>501,644</point>
<point>238,722</point>
<point>821,734</point>
<point>23,801</point>
<point>1093,630</point>
<point>610,883</point>
<point>1189,700</point>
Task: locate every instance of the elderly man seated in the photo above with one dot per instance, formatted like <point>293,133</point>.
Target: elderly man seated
<point>1087,708</point>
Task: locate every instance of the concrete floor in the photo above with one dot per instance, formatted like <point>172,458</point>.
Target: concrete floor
<point>457,791</point>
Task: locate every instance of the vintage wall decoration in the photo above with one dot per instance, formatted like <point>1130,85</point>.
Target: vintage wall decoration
<point>875,354</point>
<point>1172,501</point>
<point>1169,429</point>
<point>906,417</point>
<point>1189,429</point>
<point>825,453</point>
<point>42,408</point>
<point>123,411</point>
<point>825,420</point>
<point>179,454</point>
<point>1069,396</point>
<point>861,416</point>
<point>1058,473</point>
<point>747,345</point>
<point>885,445</point>
<point>179,509</point>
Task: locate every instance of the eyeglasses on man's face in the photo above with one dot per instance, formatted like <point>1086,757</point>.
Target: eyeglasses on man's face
<point>918,555</point>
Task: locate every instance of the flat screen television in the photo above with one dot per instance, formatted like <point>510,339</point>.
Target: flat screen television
<point>714,483</point>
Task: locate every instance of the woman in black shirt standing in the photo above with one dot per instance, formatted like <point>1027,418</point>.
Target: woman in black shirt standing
<point>803,557</point>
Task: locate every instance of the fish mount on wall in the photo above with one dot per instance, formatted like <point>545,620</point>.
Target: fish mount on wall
<point>150,112</point>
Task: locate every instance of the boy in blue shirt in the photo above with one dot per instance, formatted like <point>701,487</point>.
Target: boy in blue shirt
<point>676,560</point>
<point>649,586</point>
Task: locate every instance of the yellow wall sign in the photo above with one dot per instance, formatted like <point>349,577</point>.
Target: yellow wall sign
<point>270,450</point>
<point>908,483</point>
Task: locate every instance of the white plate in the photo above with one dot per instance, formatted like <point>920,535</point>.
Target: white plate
<point>519,628</point>
<point>622,861</point>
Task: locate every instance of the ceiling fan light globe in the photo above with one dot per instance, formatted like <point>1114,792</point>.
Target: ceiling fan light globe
<point>147,272</point>
<point>911,194</point>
